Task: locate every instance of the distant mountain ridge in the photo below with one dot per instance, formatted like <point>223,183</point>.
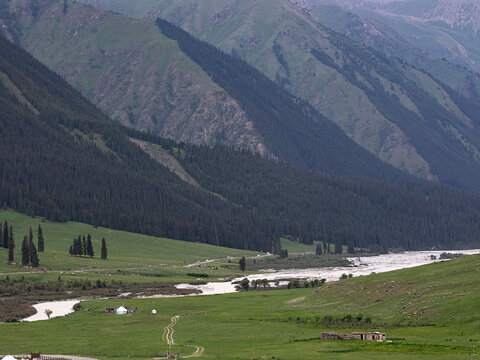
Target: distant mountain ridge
<point>401,114</point>
<point>443,28</point>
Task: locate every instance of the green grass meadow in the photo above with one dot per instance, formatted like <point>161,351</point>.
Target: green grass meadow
<point>131,257</point>
<point>430,312</point>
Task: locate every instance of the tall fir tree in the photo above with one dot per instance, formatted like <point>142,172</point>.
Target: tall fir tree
<point>104,249</point>
<point>70,251</point>
<point>84,246</point>
<point>11,246</point>
<point>1,236</point>
<point>33,254</point>
<point>30,236</point>
<point>89,246</point>
<point>318,250</point>
<point>40,239</point>
<point>5,235</point>
<point>25,252</point>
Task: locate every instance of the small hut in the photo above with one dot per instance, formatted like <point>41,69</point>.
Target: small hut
<point>122,311</point>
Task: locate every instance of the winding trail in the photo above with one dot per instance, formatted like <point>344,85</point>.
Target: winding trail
<point>167,336</point>
<point>168,331</point>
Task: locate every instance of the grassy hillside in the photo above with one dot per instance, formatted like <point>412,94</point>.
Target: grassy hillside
<point>125,250</point>
<point>427,313</point>
<point>378,101</point>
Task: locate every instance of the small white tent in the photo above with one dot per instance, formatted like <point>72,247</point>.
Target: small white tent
<point>122,311</point>
<point>9,357</point>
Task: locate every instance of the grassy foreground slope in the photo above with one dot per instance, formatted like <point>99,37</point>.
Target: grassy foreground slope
<point>428,313</point>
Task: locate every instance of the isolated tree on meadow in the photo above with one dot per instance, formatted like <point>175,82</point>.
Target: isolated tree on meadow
<point>89,246</point>
<point>242,263</point>
<point>25,252</point>
<point>41,240</point>
<point>5,235</point>
<point>70,251</point>
<point>11,245</point>
<point>104,249</point>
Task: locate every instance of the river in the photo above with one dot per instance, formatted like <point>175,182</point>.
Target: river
<point>361,266</point>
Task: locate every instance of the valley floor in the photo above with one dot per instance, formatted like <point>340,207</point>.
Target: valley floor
<point>429,312</point>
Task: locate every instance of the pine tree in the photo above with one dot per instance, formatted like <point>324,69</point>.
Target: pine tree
<point>1,236</point>
<point>70,251</point>
<point>41,241</point>
<point>242,263</point>
<point>25,252</point>
<point>11,245</point>
<point>34,255</point>
<point>30,236</point>
<point>5,235</point>
<point>89,246</point>
<point>318,250</point>
<point>84,246</point>
<point>104,249</point>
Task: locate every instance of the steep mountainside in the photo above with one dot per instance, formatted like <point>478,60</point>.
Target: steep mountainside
<point>401,114</point>
<point>132,72</point>
<point>385,39</point>
<point>63,159</point>
<point>106,48</point>
<point>442,28</point>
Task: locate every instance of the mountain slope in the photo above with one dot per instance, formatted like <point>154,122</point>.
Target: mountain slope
<point>63,159</point>
<point>400,114</point>
<point>132,72</point>
<point>382,37</point>
<point>260,117</point>
<point>442,28</point>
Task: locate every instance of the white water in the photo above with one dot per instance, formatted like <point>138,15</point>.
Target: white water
<point>58,308</point>
<point>362,266</point>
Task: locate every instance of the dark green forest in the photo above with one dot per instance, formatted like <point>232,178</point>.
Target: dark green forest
<point>61,158</point>
<point>350,210</point>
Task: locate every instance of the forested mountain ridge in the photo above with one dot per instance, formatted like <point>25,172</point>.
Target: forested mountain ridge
<point>63,159</point>
<point>261,116</point>
<point>399,113</point>
<point>131,71</point>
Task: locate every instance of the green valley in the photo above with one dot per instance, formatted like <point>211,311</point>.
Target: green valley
<point>427,313</point>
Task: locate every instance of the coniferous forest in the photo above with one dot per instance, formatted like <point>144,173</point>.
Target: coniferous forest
<point>63,159</point>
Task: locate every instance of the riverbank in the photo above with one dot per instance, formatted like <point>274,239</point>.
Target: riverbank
<point>362,266</point>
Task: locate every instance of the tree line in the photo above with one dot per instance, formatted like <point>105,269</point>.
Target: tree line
<point>29,250</point>
<point>82,246</point>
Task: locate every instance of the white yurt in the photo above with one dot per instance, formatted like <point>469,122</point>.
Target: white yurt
<point>9,357</point>
<point>154,312</point>
<point>122,311</point>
